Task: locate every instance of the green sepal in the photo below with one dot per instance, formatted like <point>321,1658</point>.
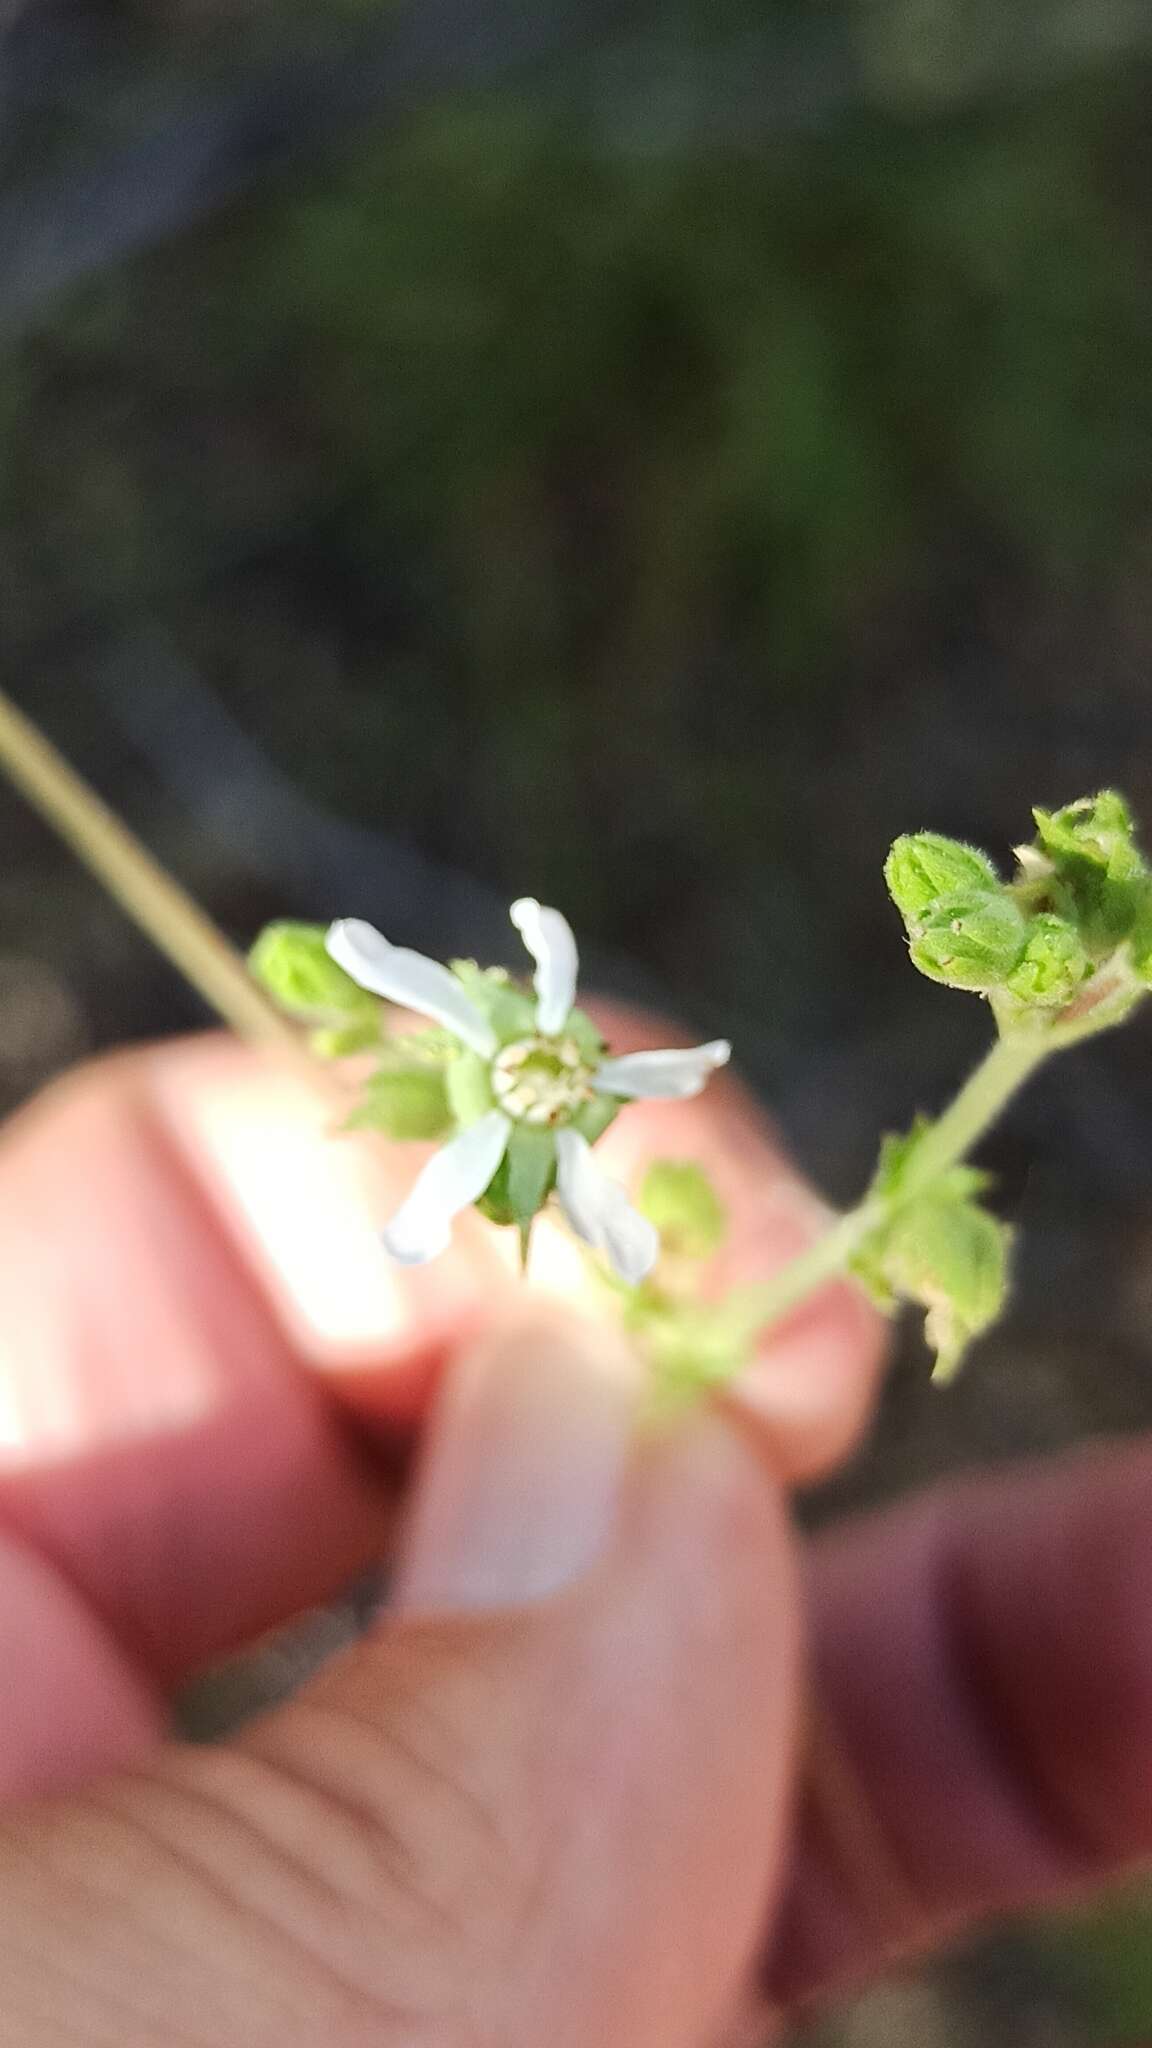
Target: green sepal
<point>523,1180</point>
<point>406,1103</point>
<point>1054,964</point>
<point>972,941</point>
<point>469,1085</point>
<point>292,963</point>
<point>588,1038</point>
<point>531,1162</point>
<point>593,1118</point>
<point>508,1008</point>
<point>678,1197</point>
<point>924,866</point>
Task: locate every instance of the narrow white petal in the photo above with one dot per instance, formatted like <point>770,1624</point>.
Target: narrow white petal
<point>409,978</point>
<point>599,1210</point>
<point>453,1178</point>
<point>662,1076</point>
<point>549,939</point>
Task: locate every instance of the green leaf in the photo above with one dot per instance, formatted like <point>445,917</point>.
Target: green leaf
<point>291,962</point>
<point>972,941</point>
<point>405,1103</point>
<point>924,866</point>
<point>678,1197</point>
<point>950,1255</point>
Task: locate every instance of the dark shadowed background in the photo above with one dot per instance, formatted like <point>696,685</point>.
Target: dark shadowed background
<point>644,455</point>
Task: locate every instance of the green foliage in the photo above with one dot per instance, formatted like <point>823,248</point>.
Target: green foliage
<point>940,1248</point>
<point>678,1197</point>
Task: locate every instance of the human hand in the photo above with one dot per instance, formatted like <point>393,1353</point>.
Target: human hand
<point>549,1797</point>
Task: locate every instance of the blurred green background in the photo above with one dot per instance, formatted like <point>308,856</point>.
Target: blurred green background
<point>648,456</point>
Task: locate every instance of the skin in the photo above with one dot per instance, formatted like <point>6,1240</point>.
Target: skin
<point>702,1778</point>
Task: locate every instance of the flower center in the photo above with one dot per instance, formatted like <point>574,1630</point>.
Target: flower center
<point>541,1080</point>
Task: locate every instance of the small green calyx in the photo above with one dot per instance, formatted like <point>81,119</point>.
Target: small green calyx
<point>972,941</point>
<point>922,867</point>
<point>678,1197</point>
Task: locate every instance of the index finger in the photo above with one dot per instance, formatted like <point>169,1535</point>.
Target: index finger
<point>209,1372</point>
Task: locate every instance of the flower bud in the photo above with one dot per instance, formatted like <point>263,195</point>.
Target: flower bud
<point>971,941</point>
<point>924,866</point>
<point>1054,964</point>
<point>291,962</point>
<point>1097,830</point>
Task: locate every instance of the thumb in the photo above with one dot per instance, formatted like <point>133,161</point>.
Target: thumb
<point>544,1802</point>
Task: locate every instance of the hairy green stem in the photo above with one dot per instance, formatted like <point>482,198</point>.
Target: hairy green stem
<point>1003,1070</point>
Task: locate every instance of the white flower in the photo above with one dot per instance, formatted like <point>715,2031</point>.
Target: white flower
<point>543,1080</point>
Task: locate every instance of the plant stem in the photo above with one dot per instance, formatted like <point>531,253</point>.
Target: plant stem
<point>161,908</point>
<point>1001,1072</point>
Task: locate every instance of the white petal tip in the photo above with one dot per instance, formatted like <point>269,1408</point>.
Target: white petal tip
<point>633,1263</point>
<point>410,1255</point>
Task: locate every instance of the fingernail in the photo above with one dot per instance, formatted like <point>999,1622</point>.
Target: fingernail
<point>518,1495</point>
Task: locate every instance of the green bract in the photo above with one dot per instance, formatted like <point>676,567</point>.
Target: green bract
<point>924,866</point>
